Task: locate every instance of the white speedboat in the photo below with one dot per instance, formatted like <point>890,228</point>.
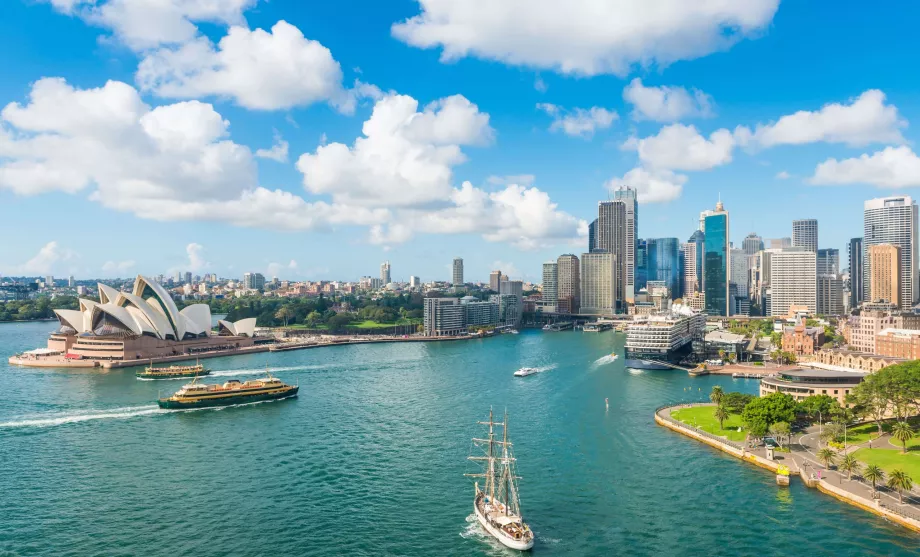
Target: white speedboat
<point>525,371</point>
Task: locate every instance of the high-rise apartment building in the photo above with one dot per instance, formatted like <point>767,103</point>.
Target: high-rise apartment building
<point>495,279</point>
<point>610,236</point>
<point>779,243</point>
<point>793,281</point>
<point>444,317</point>
<point>414,281</point>
<point>550,285</point>
<point>512,288</point>
<point>830,295</point>
<point>629,198</point>
<point>805,234</point>
<point>885,277</point>
<point>49,281</point>
<point>688,269</point>
<point>385,273</point>
<point>458,272</point>
<point>253,281</point>
<point>828,262</point>
<point>568,292</point>
<point>716,264</point>
<point>752,244</point>
<point>188,277</point>
<point>857,284</point>
<point>70,281</point>
<point>663,263</point>
<point>698,238</point>
<point>893,220</point>
<point>598,283</point>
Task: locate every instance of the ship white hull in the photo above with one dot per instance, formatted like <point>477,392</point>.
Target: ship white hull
<point>520,545</point>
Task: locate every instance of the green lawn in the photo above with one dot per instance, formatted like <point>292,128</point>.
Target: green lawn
<point>890,459</point>
<point>862,433</point>
<point>701,417</point>
<point>371,324</point>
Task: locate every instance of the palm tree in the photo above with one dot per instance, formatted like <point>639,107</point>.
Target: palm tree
<point>900,481</point>
<point>720,414</point>
<point>903,433</point>
<point>874,474</point>
<point>849,464</point>
<point>716,395</point>
<point>828,456</point>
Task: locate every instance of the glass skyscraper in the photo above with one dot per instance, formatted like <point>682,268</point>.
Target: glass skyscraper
<point>698,238</point>
<point>663,263</point>
<point>716,262</point>
<point>641,264</point>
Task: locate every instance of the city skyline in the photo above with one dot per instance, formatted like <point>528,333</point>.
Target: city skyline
<point>572,134</point>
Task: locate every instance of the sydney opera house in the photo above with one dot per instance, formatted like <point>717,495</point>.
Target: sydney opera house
<point>144,324</point>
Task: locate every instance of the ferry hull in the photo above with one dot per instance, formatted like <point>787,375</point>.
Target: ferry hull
<point>522,545</point>
<point>227,401</point>
<point>179,374</point>
<point>646,364</point>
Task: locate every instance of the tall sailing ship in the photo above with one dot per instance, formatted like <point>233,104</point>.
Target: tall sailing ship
<point>497,505</point>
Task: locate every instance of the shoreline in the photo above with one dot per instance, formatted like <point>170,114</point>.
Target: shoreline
<point>823,484</point>
<point>63,363</point>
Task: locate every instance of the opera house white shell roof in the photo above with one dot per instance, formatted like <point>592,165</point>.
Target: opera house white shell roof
<point>148,310</point>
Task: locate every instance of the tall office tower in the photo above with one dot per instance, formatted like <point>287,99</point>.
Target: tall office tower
<point>688,269</point>
<point>893,220</point>
<point>599,275</point>
<point>610,235</point>
<point>414,281</point>
<point>793,281</point>
<point>703,215</point>
<point>385,273</point>
<point>857,284</point>
<point>188,277</point>
<point>513,288</point>
<point>739,271</point>
<point>568,291</point>
<point>550,285</point>
<point>641,264</point>
<point>805,234</point>
<point>664,263</point>
<point>70,281</point>
<point>778,243</point>
<point>628,196</point>
<point>495,279</point>
<point>752,244</point>
<point>458,272</point>
<point>504,278</point>
<point>716,264</point>
<point>828,262</point>
<point>885,278</point>
<point>830,295</point>
<point>698,238</point>
<point>178,277</point>
<point>592,236</point>
<point>49,281</point>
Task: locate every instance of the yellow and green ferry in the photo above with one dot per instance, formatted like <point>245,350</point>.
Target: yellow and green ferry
<point>200,395</point>
<point>172,372</point>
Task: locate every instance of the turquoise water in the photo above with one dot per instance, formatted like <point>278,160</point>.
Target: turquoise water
<point>369,460</point>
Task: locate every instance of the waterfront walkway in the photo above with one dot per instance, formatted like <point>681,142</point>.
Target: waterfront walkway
<point>802,461</point>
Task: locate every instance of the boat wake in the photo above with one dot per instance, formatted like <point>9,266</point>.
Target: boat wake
<point>475,531</point>
<point>604,360</point>
<point>634,371</point>
<point>255,371</point>
<point>541,369</point>
<point>119,414</point>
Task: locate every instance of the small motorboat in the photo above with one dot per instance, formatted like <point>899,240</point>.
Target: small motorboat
<point>525,371</point>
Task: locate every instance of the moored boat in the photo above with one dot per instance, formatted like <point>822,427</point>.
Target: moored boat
<point>201,395</point>
<point>172,372</point>
<point>497,506</point>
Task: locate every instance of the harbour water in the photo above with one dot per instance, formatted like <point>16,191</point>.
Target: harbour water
<point>369,460</point>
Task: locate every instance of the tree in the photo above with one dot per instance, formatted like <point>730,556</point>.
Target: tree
<point>314,318</point>
<point>816,406</point>
<point>716,395</point>
<point>781,430</point>
<point>735,402</point>
<point>849,464</point>
<point>831,432</point>
<point>828,456</point>
<point>284,314</point>
<point>900,481</point>
<point>902,432</point>
<point>720,414</point>
<point>761,412</point>
<point>874,475</point>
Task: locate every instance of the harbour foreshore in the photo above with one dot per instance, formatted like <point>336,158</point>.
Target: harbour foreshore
<point>59,361</point>
<point>798,466</point>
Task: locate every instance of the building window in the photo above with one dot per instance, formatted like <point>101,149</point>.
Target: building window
<point>823,391</point>
<point>835,391</point>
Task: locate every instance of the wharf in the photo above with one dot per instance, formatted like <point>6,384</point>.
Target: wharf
<point>802,462</point>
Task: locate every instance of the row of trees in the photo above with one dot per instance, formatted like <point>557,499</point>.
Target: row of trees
<point>893,391</point>
<point>38,308</point>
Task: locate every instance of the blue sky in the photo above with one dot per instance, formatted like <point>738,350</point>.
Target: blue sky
<point>100,180</point>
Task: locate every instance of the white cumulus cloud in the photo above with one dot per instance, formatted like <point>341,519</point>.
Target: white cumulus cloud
<point>117,267</point>
<point>45,261</point>
<point>652,186</point>
<point>666,104</point>
<point>258,69</point>
<point>578,122</point>
<point>892,167</point>
<point>681,147</point>
<point>585,37</point>
<point>278,151</point>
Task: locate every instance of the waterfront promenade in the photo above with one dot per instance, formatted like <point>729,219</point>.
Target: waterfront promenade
<point>802,461</point>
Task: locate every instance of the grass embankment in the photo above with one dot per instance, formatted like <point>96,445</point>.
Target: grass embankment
<point>371,324</point>
<point>891,459</point>
<point>701,417</point>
